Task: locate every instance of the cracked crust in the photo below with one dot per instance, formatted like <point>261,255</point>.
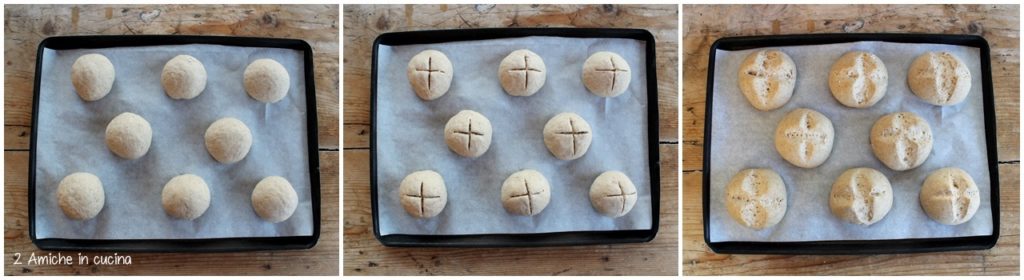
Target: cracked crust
<point>186,197</point>
<point>522,73</point>
<point>767,79</point>
<point>756,198</point>
<point>939,78</point>
<point>129,136</point>
<point>92,75</point>
<point>567,136</point>
<point>525,193</point>
<point>468,134</point>
<point>80,196</point>
<point>612,194</point>
<point>606,74</point>
<point>423,194</point>
<point>858,79</point>
<point>430,73</point>
<point>861,196</point>
<point>804,138</point>
<point>949,196</point>
<point>901,141</point>
<point>183,77</point>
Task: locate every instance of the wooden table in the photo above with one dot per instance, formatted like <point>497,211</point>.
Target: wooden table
<point>364,255</point>
<point>27,25</point>
<point>704,24</point>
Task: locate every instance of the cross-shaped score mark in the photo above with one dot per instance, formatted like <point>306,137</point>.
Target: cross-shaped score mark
<point>423,198</point>
<point>805,136</point>
<point>622,195</point>
<point>573,133</point>
<point>859,196</point>
<point>526,69</point>
<point>430,70</point>
<point>954,193</point>
<point>904,137</point>
<point>614,71</point>
<point>469,132</point>
<point>529,196</point>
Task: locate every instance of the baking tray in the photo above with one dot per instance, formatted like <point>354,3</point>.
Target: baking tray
<point>565,238</point>
<point>848,247</point>
<point>181,245</point>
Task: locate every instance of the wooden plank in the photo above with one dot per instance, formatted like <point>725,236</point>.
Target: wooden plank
<point>320,260</point>
<point>27,25</point>
<point>363,23</point>
<point>364,255</point>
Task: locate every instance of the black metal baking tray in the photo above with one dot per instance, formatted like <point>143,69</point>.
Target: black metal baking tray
<point>534,239</point>
<point>849,247</point>
<point>181,245</point>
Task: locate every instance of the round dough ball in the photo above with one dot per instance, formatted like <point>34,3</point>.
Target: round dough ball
<point>606,74</point>
<point>129,136</point>
<point>522,73</point>
<point>228,140</point>
<point>184,77</point>
<point>949,196</point>
<point>80,196</point>
<point>756,198</point>
<point>266,80</point>
<point>186,197</point>
<point>613,194</point>
<point>939,78</point>
<point>423,194</point>
<point>525,193</point>
<point>430,73</point>
<point>861,196</point>
<point>567,136</point>
<point>902,141</point>
<point>804,138</point>
<point>274,199</point>
<point>93,76</point>
<point>468,133</point>
<point>858,79</point>
<point>767,78</point>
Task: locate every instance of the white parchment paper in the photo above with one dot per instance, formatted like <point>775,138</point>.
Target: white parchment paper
<point>410,137</point>
<point>744,138</point>
<point>70,138</point>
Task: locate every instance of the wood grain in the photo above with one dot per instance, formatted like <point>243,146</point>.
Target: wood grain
<point>999,24</point>
<point>364,255</point>
<point>27,25</point>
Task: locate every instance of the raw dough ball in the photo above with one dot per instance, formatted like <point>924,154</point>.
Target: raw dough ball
<point>858,79</point>
<point>804,138</point>
<point>423,194</point>
<point>228,140</point>
<point>613,194</point>
<point>93,76</point>
<point>129,136</point>
<point>266,80</point>
<point>468,133</point>
<point>756,198</point>
<point>767,78</point>
<point>186,197</point>
<point>80,196</point>
<point>274,199</point>
<point>902,140</point>
<point>949,196</point>
<point>939,78</point>
<point>606,74</point>
<point>522,73</point>
<point>184,77</point>
<point>861,196</point>
<point>525,193</point>
<point>430,73</point>
<point>567,136</point>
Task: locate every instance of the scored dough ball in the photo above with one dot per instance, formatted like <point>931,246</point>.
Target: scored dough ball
<point>861,196</point>
<point>949,196</point>
<point>92,75</point>
<point>613,194</point>
<point>525,193</point>
<point>756,198</point>
<point>468,133</point>
<point>939,78</point>
<point>423,194</point>
<point>430,73</point>
<point>184,77</point>
<point>567,136</point>
<point>902,141</point>
<point>266,80</point>
<point>274,199</point>
<point>858,79</point>
<point>228,140</point>
<point>804,138</point>
<point>186,197</point>
<point>767,78</point>
<point>80,196</point>
<point>522,73</point>
<point>129,136</point>
<point>606,74</point>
